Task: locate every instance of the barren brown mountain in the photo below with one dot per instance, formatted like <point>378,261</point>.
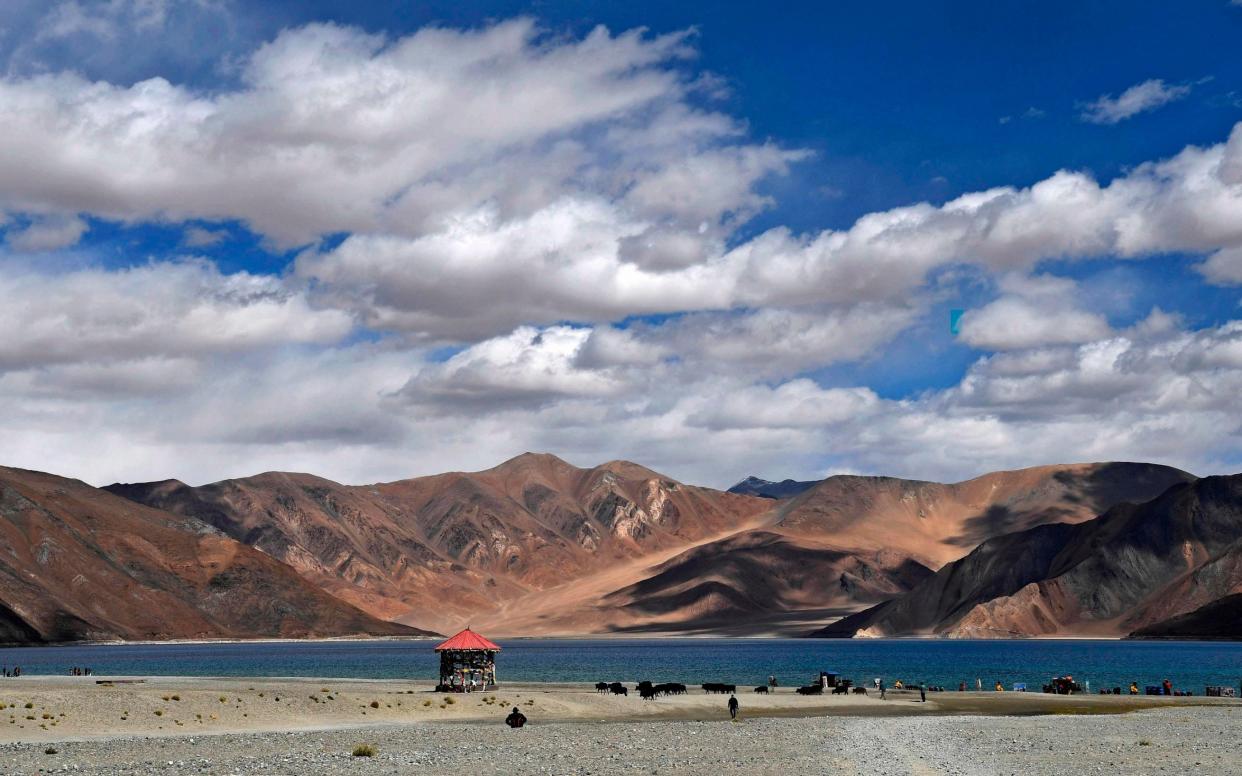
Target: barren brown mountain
<point>82,563</point>
<point>1135,566</point>
<point>454,548</point>
<point>537,546</point>
<point>938,523</point>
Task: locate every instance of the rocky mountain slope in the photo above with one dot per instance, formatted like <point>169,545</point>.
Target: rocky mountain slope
<point>454,548</point>
<point>1132,567</point>
<point>77,562</point>
<point>1221,619</point>
<point>537,546</point>
<point>938,523</point>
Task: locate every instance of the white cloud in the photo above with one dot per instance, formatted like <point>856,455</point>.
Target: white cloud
<point>1224,267</point>
<point>1033,311</point>
<point>199,237</point>
<point>47,233</point>
<point>1140,98</point>
<point>528,367</point>
<point>337,130</point>
<point>157,310</point>
<point>566,214</point>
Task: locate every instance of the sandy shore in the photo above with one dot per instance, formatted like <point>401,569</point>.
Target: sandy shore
<point>203,725</point>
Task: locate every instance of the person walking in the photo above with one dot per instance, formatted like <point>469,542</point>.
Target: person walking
<point>883,691</point>
<point>733,707</point>
<point>923,692</point>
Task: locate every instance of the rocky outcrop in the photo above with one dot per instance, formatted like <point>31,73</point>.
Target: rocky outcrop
<point>1130,568</point>
<point>77,563</point>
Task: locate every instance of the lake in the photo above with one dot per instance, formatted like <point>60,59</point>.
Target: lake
<point>1190,665</point>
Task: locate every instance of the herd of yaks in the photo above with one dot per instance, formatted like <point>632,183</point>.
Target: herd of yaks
<point>649,691</point>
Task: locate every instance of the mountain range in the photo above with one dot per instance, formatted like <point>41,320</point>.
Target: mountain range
<point>537,546</point>
<point>1135,568</point>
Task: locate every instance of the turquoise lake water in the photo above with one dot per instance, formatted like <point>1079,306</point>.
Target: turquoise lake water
<point>1190,665</point>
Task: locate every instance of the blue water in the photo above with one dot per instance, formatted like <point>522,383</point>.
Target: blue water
<point>1190,665</point>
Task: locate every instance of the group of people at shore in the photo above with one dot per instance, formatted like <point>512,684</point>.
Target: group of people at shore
<point>12,672</point>
<point>76,671</point>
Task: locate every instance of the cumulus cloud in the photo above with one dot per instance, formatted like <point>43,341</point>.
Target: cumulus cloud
<point>1223,267</point>
<point>334,130</point>
<point>165,310</point>
<point>565,213</point>
<point>200,237</point>
<point>1140,98</point>
<point>47,234</point>
<point>118,39</point>
<point>529,367</point>
<point>1032,311</point>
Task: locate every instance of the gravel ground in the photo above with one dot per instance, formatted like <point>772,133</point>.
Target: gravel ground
<point>1164,741</point>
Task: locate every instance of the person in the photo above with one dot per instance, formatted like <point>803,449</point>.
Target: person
<point>978,684</point>
<point>999,687</point>
<point>733,707</point>
<point>883,691</point>
<point>923,692</point>
<point>1134,688</point>
<point>961,686</point>
<point>1168,687</point>
<point>772,681</point>
<point>516,718</point>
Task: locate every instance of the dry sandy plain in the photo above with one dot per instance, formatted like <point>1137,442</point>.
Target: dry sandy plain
<point>304,727</point>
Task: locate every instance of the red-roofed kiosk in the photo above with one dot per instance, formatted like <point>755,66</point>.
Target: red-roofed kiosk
<point>467,662</point>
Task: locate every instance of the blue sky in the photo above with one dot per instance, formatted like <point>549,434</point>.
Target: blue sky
<point>677,248</point>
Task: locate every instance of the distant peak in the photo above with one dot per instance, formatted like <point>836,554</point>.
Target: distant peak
<point>530,459</point>
<point>757,486</point>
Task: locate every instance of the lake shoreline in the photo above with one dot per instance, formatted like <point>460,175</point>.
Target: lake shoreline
<point>311,726</point>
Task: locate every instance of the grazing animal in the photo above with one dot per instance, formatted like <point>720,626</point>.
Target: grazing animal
<point>811,689</point>
<point>601,687</point>
<point>616,688</point>
<point>840,689</point>
<point>763,688</point>
<point>718,687</point>
<point>860,690</point>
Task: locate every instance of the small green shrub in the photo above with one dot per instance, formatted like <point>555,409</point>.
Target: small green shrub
<point>375,704</point>
<point>51,750</point>
<point>364,750</point>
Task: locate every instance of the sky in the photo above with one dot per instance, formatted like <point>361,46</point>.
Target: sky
<point>374,241</point>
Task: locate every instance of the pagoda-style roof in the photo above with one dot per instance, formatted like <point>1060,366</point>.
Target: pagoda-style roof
<point>468,641</point>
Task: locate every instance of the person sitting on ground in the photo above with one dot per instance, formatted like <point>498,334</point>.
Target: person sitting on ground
<point>1000,687</point>
<point>1134,688</point>
<point>733,707</point>
<point>516,718</point>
